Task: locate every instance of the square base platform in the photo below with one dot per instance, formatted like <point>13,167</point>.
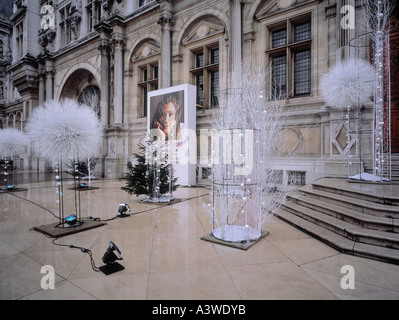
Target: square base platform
<point>161,204</point>
<point>237,245</point>
<point>2,190</point>
<point>84,188</point>
<point>56,231</point>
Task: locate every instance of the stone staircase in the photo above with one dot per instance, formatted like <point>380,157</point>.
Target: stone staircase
<point>358,219</point>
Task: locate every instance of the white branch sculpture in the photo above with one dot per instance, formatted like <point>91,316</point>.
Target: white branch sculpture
<point>247,141</point>
<point>378,17</point>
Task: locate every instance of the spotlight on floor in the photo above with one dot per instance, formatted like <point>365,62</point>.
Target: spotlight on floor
<point>110,256</point>
<point>123,208</point>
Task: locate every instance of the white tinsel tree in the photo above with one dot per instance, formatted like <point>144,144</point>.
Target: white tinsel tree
<point>379,25</point>
<point>247,141</point>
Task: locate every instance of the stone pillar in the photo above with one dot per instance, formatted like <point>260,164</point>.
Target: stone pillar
<point>42,91</point>
<point>166,21</point>
<point>119,44</point>
<point>105,49</point>
<point>49,83</point>
<point>24,116</point>
<point>236,35</point>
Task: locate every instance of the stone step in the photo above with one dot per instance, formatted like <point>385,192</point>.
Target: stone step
<point>364,206</point>
<point>355,217</point>
<point>338,242</point>
<point>384,193</point>
<point>344,228</point>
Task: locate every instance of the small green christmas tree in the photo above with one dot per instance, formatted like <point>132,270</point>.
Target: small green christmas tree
<point>81,168</point>
<point>140,178</point>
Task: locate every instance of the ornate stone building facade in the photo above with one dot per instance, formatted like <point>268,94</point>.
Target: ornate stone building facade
<point>117,51</point>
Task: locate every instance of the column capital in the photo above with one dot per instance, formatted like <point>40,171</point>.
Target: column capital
<point>166,20</point>
<point>119,42</point>
<point>104,47</point>
<point>49,71</point>
<point>41,71</point>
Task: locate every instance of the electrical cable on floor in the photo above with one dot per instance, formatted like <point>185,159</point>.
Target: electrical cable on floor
<point>84,250</point>
<point>32,202</point>
<point>101,220</point>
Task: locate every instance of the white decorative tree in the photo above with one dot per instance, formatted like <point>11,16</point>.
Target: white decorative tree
<point>246,140</point>
<point>62,132</point>
<point>91,96</point>
<point>348,86</point>
<point>12,144</point>
<point>378,18</point>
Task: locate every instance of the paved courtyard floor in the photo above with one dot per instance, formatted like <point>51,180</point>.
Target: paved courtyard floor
<point>164,257</point>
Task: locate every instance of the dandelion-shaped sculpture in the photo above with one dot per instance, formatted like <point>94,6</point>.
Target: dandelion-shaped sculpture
<point>245,140</point>
<point>61,132</point>
<point>348,86</point>
<point>12,144</point>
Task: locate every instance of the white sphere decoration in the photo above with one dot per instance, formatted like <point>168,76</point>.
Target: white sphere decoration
<point>348,84</point>
<point>64,131</point>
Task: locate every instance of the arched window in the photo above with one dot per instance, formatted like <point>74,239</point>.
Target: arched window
<point>146,59</point>
<point>10,123</point>
<point>289,51</point>
<point>203,41</point>
<point>18,121</point>
<point>91,97</point>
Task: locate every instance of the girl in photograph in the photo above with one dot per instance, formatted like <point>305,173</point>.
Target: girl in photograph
<point>167,117</point>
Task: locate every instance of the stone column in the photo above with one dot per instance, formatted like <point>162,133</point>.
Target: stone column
<point>119,44</point>
<point>167,22</point>
<point>105,49</point>
<point>49,83</point>
<point>42,91</point>
<point>24,116</point>
<point>236,35</point>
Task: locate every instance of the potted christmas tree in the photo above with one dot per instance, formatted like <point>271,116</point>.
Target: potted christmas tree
<point>152,175</point>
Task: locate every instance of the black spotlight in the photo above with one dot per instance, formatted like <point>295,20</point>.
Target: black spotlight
<point>110,256</point>
<point>123,208</point>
